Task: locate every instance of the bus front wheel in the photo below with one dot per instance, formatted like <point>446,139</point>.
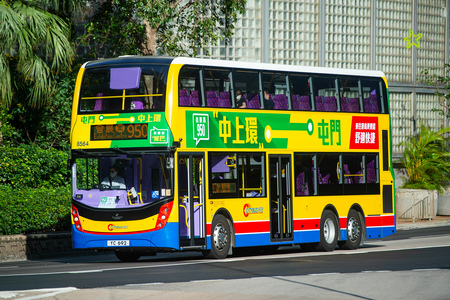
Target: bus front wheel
<point>329,231</point>
<point>220,238</point>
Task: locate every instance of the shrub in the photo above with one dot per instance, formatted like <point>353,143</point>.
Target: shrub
<point>29,210</point>
<point>426,159</point>
<point>30,166</point>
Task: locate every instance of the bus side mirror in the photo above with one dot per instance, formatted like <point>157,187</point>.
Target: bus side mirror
<point>169,163</point>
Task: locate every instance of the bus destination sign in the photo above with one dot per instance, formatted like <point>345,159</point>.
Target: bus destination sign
<point>119,132</point>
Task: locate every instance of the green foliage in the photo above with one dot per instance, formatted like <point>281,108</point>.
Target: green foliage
<point>31,167</point>
<point>442,85</point>
<point>28,210</point>
<point>426,159</point>
<point>47,126</point>
<point>34,47</point>
<point>169,27</point>
<point>113,30</point>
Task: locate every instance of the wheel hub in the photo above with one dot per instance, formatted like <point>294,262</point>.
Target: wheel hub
<point>353,229</point>
<point>220,237</point>
<point>329,231</point>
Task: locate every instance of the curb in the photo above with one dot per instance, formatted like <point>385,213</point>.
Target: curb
<point>422,224</point>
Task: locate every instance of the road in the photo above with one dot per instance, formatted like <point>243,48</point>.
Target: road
<point>411,264</point>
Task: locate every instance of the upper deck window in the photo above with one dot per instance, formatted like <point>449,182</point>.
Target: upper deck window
<point>114,89</point>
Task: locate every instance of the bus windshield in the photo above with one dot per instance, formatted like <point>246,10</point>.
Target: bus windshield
<point>121,181</point>
<point>128,87</point>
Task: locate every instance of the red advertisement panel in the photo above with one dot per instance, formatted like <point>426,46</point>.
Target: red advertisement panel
<point>364,133</point>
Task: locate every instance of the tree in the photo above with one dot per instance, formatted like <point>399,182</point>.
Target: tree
<point>170,27</point>
<point>442,86</point>
<point>426,159</point>
<point>34,48</point>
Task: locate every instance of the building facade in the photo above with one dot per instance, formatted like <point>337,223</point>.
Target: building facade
<point>402,38</point>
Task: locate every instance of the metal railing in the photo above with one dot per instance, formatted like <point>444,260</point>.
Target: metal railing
<point>420,210</point>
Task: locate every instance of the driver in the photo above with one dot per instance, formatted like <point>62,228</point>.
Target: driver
<point>114,180</point>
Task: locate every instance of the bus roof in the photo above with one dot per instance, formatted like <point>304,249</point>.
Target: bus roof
<point>134,59</point>
<point>274,67</point>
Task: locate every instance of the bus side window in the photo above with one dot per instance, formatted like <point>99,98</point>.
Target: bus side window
<point>353,174</point>
<point>248,83</point>
<point>189,87</point>
<point>328,172</point>
<point>300,92</point>
<point>325,93</point>
<point>217,87</point>
<point>276,83</point>
<point>349,94</point>
<point>304,174</point>
<point>371,95</point>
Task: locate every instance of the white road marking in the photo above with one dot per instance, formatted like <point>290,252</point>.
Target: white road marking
<point>375,246</point>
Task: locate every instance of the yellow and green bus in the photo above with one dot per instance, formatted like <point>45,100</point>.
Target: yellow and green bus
<point>186,154</point>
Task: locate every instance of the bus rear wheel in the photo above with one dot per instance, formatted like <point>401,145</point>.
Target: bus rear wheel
<point>220,238</point>
<point>329,231</point>
<point>127,256</point>
<point>354,231</point>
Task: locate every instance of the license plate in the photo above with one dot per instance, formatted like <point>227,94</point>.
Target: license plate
<point>118,243</point>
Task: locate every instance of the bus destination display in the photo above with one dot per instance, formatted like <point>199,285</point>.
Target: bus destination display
<point>119,132</point>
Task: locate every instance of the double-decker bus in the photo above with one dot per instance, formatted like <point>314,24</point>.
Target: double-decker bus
<point>178,154</point>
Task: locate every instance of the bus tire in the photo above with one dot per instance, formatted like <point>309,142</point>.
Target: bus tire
<point>127,256</point>
<point>354,231</point>
<point>329,231</point>
<point>220,238</point>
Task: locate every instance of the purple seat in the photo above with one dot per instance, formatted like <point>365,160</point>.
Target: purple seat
<point>98,106</point>
<point>194,98</point>
<point>347,179</point>
<point>319,103</point>
<point>367,106</point>
<point>323,179</point>
<point>281,102</point>
<point>212,99</point>
<point>137,103</point>
<point>329,104</point>
<point>254,102</point>
<point>373,100</point>
<point>185,98</point>
<point>371,174</point>
<point>224,99</point>
<point>295,102</point>
<point>305,103</point>
<point>354,104</point>
<point>345,104</point>
<point>301,186</point>
<point>301,103</point>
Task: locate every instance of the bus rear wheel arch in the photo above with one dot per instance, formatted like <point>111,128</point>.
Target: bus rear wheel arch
<point>221,236</point>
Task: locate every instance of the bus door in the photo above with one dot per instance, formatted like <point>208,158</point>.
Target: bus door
<point>280,191</point>
<point>191,195</point>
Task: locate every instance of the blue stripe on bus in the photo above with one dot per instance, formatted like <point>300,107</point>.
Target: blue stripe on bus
<point>165,238</point>
<point>379,232</point>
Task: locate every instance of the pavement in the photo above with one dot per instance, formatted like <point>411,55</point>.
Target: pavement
<point>408,224</point>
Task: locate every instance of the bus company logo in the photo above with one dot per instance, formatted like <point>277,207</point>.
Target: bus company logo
<point>248,209</point>
<point>112,227</point>
<point>364,133</point>
<point>200,127</point>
